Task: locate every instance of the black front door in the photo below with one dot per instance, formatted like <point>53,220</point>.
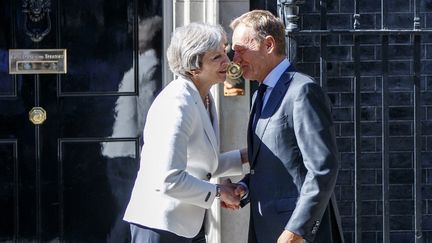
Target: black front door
<point>69,179</point>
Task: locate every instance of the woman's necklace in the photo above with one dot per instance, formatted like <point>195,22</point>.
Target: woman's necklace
<point>208,107</point>
<point>207,103</point>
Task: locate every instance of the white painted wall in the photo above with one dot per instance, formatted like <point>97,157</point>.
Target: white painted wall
<point>228,226</point>
<point>234,113</point>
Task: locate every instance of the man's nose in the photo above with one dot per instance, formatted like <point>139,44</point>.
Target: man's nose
<point>236,58</point>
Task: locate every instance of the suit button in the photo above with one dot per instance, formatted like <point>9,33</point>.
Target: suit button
<point>208,176</point>
<point>314,230</point>
<point>252,171</point>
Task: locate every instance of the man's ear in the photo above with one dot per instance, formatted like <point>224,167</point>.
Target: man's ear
<point>269,43</point>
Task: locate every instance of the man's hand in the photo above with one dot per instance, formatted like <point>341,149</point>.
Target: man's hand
<point>228,196</point>
<point>289,237</point>
<point>231,194</point>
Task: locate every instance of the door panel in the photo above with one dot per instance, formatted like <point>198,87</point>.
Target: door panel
<point>7,84</point>
<point>69,179</point>
<point>95,181</point>
<point>8,185</point>
<point>99,38</point>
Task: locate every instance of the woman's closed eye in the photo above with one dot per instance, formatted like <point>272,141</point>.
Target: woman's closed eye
<point>216,57</point>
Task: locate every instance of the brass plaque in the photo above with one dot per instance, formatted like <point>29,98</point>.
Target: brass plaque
<point>37,61</point>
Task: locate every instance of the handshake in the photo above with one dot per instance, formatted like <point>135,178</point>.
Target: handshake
<point>231,194</point>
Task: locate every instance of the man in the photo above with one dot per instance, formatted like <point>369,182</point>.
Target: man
<point>291,141</point>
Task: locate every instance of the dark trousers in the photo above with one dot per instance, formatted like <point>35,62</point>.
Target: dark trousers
<point>142,234</point>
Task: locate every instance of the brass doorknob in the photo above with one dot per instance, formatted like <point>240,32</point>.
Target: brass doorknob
<point>37,115</point>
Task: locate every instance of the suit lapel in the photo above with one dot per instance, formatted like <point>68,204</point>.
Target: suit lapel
<point>273,102</point>
<point>250,132</point>
<point>215,121</point>
<point>209,130</point>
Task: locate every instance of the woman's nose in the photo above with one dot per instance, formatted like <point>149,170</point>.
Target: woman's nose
<point>226,59</point>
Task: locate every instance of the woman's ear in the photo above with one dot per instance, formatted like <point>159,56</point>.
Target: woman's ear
<point>195,72</point>
<point>192,72</point>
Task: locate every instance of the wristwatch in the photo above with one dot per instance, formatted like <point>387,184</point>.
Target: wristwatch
<point>218,191</point>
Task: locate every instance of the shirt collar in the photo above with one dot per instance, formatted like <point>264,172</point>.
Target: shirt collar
<point>273,77</point>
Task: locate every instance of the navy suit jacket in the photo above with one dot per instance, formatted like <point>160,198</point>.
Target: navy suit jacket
<point>294,164</point>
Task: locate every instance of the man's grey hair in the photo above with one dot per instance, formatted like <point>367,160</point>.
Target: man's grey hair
<point>189,44</point>
<point>264,23</point>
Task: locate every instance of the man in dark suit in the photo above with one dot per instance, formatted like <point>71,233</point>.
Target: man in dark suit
<point>291,141</point>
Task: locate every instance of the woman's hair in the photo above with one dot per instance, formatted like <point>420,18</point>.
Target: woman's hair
<point>264,23</point>
<point>189,44</point>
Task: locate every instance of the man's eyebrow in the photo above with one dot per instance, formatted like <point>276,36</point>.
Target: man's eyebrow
<point>237,47</point>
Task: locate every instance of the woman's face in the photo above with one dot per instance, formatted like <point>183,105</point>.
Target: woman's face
<point>214,65</point>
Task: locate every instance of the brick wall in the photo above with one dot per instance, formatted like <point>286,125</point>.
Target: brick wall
<point>340,69</point>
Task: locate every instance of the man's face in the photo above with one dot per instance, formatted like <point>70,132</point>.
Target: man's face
<point>249,53</point>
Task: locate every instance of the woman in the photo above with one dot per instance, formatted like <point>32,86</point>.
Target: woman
<point>180,153</point>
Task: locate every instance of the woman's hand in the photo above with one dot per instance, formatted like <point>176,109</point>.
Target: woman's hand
<point>244,155</point>
<point>231,194</point>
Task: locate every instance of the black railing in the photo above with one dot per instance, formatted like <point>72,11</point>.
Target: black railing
<point>288,11</point>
